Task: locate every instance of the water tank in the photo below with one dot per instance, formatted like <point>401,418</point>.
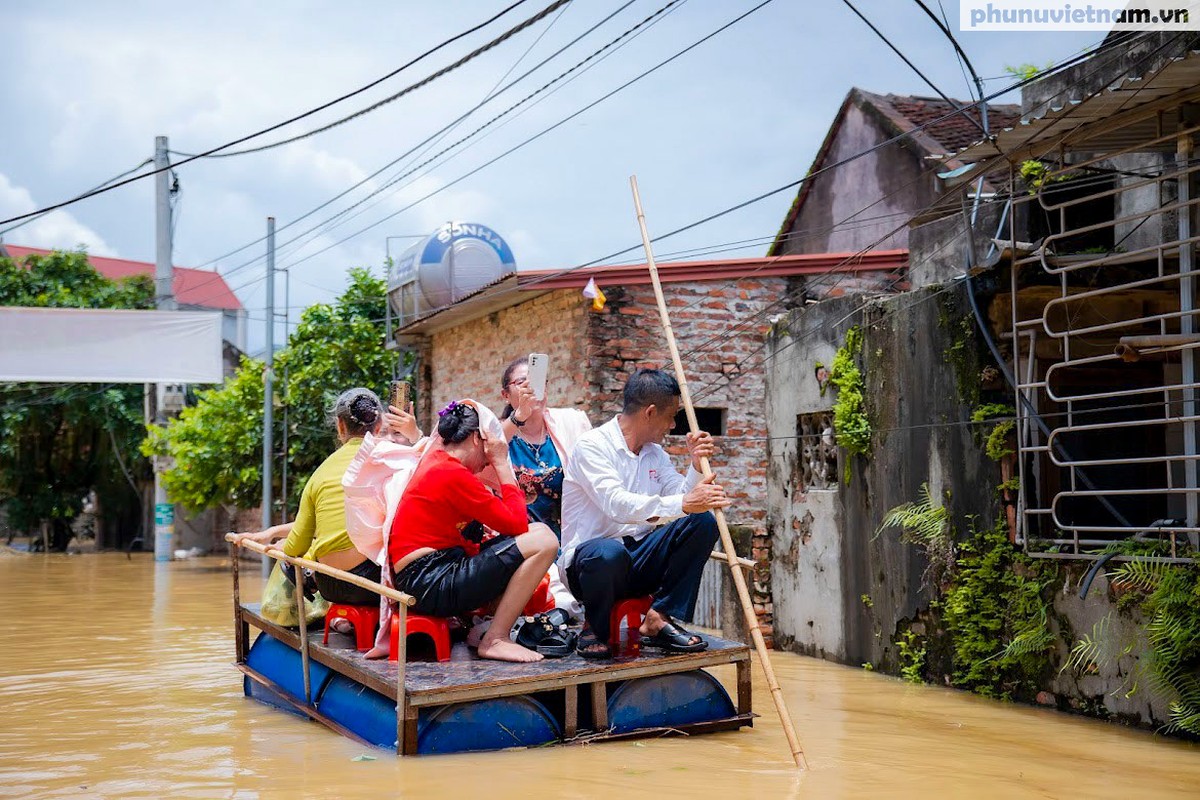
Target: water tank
<point>454,261</point>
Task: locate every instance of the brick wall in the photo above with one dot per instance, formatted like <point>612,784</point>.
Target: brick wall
<point>467,360</point>
<point>720,336</point>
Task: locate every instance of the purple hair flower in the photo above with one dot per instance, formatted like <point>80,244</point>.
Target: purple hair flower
<point>453,405</point>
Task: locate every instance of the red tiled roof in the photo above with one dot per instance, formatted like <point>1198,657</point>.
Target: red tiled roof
<point>725,269</point>
<point>953,133</point>
<point>193,287</point>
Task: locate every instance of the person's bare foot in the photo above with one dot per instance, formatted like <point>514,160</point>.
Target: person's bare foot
<point>505,650</point>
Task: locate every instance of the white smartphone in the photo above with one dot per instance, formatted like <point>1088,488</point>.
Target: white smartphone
<point>539,364</point>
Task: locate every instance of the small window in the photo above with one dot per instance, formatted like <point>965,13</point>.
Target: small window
<point>711,420</point>
<point>817,450</point>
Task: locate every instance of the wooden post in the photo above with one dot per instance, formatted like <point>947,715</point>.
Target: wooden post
<point>739,580</point>
<point>403,744</point>
<point>570,711</point>
<point>299,576</point>
<point>240,632</point>
<point>599,707</point>
<point>744,686</point>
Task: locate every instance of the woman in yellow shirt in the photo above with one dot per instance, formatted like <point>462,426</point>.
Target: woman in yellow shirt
<point>319,530</point>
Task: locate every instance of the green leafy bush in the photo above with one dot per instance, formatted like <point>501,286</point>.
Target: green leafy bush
<point>850,419</point>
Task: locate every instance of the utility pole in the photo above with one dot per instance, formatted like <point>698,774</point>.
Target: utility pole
<point>164,299</point>
<point>268,392</point>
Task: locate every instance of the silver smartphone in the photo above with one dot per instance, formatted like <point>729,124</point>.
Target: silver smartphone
<point>539,364</point>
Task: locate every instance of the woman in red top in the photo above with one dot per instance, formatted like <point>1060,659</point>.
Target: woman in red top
<point>429,552</point>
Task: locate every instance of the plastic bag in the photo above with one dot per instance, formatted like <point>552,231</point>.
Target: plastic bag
<point>279,602</point>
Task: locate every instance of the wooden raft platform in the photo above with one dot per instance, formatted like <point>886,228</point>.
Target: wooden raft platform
<point>466,678</point>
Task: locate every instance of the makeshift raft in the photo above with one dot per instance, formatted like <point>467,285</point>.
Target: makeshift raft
<point>468,704</point>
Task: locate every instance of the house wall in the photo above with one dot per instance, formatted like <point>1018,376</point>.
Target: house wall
<point>467,360</point>
<point>829,557</point>
<point>893,172</point>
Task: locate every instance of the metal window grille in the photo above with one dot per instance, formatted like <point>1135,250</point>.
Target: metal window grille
<point>1104,339</point>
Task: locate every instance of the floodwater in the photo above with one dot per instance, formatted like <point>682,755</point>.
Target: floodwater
<point>116,681</point>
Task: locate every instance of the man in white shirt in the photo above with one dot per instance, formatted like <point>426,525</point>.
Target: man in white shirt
<point>632,525</point>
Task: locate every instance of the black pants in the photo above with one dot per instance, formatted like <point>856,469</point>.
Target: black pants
<point>666,563</point>
<point>337,591</point>
<point>449,583</point>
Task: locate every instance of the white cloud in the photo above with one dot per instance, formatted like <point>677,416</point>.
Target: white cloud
<point>56,230</point>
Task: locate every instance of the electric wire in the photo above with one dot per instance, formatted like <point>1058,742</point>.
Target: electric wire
<point>276,126</point>
<point>431,138</point>
<point>567,74</point>
<point>499,40</point>
<point>38,215</point>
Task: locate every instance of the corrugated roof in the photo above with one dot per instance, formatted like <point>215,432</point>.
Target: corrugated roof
<point>193,287</point>
<point>1129,112</point>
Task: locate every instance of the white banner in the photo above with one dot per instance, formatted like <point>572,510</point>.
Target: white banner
<point>1080,15</point>
<point>74,345</point>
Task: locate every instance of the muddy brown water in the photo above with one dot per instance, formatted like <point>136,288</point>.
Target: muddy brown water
<point>116,681</point>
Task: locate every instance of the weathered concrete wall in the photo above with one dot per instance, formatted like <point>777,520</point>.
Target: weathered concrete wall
<point>938,249</point>
<point>840,590</point>
<point>887,183</point>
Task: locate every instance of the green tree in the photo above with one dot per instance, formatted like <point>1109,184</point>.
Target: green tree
<point>217,445</point>
<point>59,443</point>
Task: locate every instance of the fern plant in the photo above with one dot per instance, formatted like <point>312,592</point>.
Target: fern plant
<point>1171,603</point>
<point>925,523</point>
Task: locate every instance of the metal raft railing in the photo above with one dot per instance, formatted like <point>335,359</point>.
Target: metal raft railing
<point>1104,341</point>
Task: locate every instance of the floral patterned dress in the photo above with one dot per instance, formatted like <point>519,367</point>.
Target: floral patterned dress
<point>540,475</point>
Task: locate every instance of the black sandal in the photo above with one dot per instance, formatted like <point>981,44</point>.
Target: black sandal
<point>589,646</point>
<point>674,639</point>
<point>544,634</point>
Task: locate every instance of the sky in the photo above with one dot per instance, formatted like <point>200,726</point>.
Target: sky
<point>90,85</point>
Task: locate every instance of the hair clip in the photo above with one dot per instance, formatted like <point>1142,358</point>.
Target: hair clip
<point>453,405</point>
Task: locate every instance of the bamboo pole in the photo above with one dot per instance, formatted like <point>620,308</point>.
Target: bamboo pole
<point>739,581</point>
<point>302,613</point>
<point>317,566</point>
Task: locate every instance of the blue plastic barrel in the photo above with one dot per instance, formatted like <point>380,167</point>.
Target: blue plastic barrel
<point>279,663</point>
<point>668,701</point>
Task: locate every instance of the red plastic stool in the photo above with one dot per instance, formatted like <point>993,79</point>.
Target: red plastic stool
<point>436,628</point>
<point>365,620</point>
<point>631,609</point>
<point>541,600</point>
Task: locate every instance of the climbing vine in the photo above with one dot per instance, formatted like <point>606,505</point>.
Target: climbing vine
<point>849,411</point>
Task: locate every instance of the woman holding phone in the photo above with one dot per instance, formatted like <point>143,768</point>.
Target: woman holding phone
<point>539,443</point>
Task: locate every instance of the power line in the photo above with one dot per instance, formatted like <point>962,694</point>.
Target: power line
<point>1022,82</point>
<point>510,109</point>
<point>38,215</point>
<point>274,127</point>
<point>914,68</point>
<point>499,40</point>
<point>545,131</point>
<point>569,74</point>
